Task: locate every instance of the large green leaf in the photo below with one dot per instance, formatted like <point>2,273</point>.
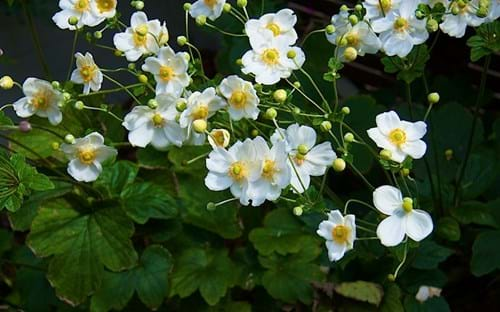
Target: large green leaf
<point>361,291</point>
<point>485,42</point>
<point>474,212</point>
<point>392,299</point>
<point>429,255</point>
<point>410,67</point>
<point>116,177</point>
<point>82,243</point>
<point>485,253</point>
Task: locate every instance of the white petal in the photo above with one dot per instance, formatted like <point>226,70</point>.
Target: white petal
<point>83,172</point>
<point>335,251</point>
<point>418,225</point>
<point>23,108</point>
<point>104,153</point>
<point>386,122</point>
<point>141,136</point>
<point>321,155</point>
<point>414,130</point>
<point>380,139</point>
<point>391,231</point>
<point>217,182</point>
<point>416,149</point>
<point>336,217</point>
<point>387,199</point>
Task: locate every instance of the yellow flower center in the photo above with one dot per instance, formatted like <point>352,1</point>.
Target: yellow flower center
<point>200,112</point>
<point>140,35</point>
<point>87,72</point>
<point>219,138</point>
<point>397,137</point>
<point>106,5</point>
<point>407,204</point>
<point>340,234</point>
<point>385,5</point>
<point>274,28</point>
<point>238,99</point>
<point>352,39</point>
<point>87,155</point>
<point>41,101</point>
<point>166,73</point>
<point>269,169</point>
<point>271,56</point>
<point>82,5</point>
<point>401,24</point>
<point>238,171</point>
<point>210,3</point>
<point>158,120</point>
<point>299,159</point>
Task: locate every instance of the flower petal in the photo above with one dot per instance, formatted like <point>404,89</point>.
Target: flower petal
<point>387,199</point>
<point>391,231</point>
<point>418,225</point>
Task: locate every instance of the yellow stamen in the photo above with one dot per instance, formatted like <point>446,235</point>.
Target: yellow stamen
<point>385,5</point>
<point>87,72</point>
<point>87,155</point>
<point>158,120</point>
<point>106,5</point>
<point>82,5</point>
<point>238,171</point>
<point>200,112</point>
<point>210,3</point>
<point>271,56</point>
<point>140,35</point>
<point>274,28</point>
<point>41,101</point>
<point>340,234</point>
<point>352,39</point>
<point>401,24</point>
<point>238,99</point>
<point>269,169</point>
<point>166,73</point>
<point>397,137</point>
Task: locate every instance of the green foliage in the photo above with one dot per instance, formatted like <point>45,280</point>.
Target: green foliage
<point>430,255</point>
<point>485,253</point>
<point>362,291</point>
<point>485,42</point>
<point>409,68</point>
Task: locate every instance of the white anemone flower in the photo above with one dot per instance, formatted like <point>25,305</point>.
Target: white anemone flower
<point>209,8</point>
<point>401,138</point>
<point>275,175</point>
<point>104,8</point>
<point>234,168</point>
<point>140,38</point>
<point>400,30</point>
<point>241,97</point>
<point>308,158</point>
<point>455,25</point>
<point>280,24</point>
<point>268,60</point>
<point>403,219</point>
<point>360,37</point>
<point>376,9</point>
<point>339,232</point>
<point>86,155</point>
<point>41,99</point>
<point>426,292</point>
<point>157,126</point>
<point>219,138</point>
<point>200,106</point>
<point>87,73</point>
<point>170,71</point>
<point>81,9</point>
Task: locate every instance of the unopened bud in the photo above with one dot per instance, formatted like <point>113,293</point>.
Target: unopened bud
<point>6,82</point>
<point>254,133</point>
<point>280,96</point>
<point>271,113</point>
<point>201,20</point>
<point>200,125</point>
<point>405,172</point>
<point>55,84</point>
<point>211,206</point>
<point>227,7</point>
<point>339,165</point>
<point>349,137</point>
<point>291,54</point>
<point>298,210</point>
<point>24,126</point>
<point>358,7</point>
<point>353,19</point>
<point>330,29</point>
<point>97,34</point>
<point>181,41</point>
<point>350,54</point>
<point>66,96</point>
<point>181,105</point>
<point>73,20</point>
<point>153,104</point>
<point>448,154</point>
<point>69,138</point>
<point>344,8</point>
<point>142,78</point>
<point>325,126</point>
<point>79,105</point>
<point>346,110</point>
<point>297,84</point>
<point>302,149</point>
<point>433,98</point>
<point>139,5</point>
<point>432,25</point>
<point>55,146</point>
<point>385,154</point>
<point>186,6</point>
<point>242,3</point>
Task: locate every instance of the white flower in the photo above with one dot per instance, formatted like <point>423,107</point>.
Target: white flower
<point>279,24</point>
<point>455,25</point>
<point>275,174</point>
<point>219,138</point>
<point>40,99</point>
<point>81,9</point>
<point>401,138</point>
<point>163,35</point>
<point>400,30</point>
<point>170,71</point>
<point>403,219</point>
<point>140,38</point>
<point>308,158</point>
<point>241,97</point>
<point>156,126</point>
<point>200,106</point>
<point>268,59</point>
<point>376,9</point>
<point>87,73</point>
<point>86,156</point>
<point>426,292</point>
<point>494,12</point>
<point>234,168</point>
<point>209,8</point>
<point>339,232</point>
<point>103,8</point>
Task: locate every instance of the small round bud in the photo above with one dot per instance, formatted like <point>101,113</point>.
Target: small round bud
<point>407,204</point>
<point>432,25</point>
<point>482,12</point>
<point>433,98</point>
<point>73,20</point>
<point>296,110</point>
<point>302,149</point>
<point>385,154</point>
<point>118,53</point>
<point>181,41</point>
<point>448,154</point>
<point>339,165</point>
<point>344,7</point>
<point>341,41</point>
<point>391,277</point>
<point>227,7</point>
<point>254,133</point>
<point>257,87</point>
<point>200,125</point>
<point>405,172</point>
<point>280,96</point>
<point>69,138</point>
<point>98,34</point>
<point>242,3</point>
<point>55,84</point>
<point>325,126</point>
<point>239,62</point>
<point>201,20</point>
<point>271,113</point>
<point>55,146</point>
<point>24,126</point>
<point>6,82</point>
<point>455,10</point>
<point>349,137</point>
<point>181,105</point>
<point>131,66</point>
<point>419,14</point>
<point>211,206</point>
<point>298,210</point>
<point>139,5</point>
<point>291,54</point>
<point>66,96</point>
<point>330,29</point>
<point>153,104</point>
<point>358,7</point>
<point>187,57</point>
<point>79,105</point>
<point>346,110</point>
<point>350,54</point>
<point>297,84</point>
<point>186,6</point>
<point>353,19</point>
<point>143,78</point>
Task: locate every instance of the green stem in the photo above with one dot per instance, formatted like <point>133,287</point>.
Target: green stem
<point>362,176</point>
<point>123,88</point>
<point>223,31</point>
<point>306,97</point>
<point>73,49</point>
<point>110,90</point>
<point>357,201</point>
<point>310,34</point>
<point>325,102</point>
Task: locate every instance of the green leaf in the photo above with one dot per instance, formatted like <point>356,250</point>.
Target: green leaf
<point>207,270</point>
<point>82,242</point>
<point>151,157</point>
<point>479,174</point>
<point>361,291</point>
<point>448,228</point>
<point>116,177</point>
<point>282,233</point>
<point>474,212</point>
<point>4,120</point>
<point>485,42</point>
<point>485,253</point>
<point>409,68</point>
<point>180,156</point>
<point>430,255</point>
<point>392,299</point>
<point>149,278</point>
<point>142,201</point>
<point>436,304</point>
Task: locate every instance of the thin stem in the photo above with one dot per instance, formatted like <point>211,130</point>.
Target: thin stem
<point>189,162</point>
<point>187,34</point>
<point>73,49</point>
<point>402,261</point>
<point>357,201</point>
<point>110,90</point>
<point>367,238</point>
<point>362,177</point>
<point>408,98</point>
<point>199,56</point>
<point>336,95</point>
<point>306,97</point>
<point>323,183</point>
<point>104,111</point>
<point>223,31</point>
<point>123,88</point>
<point>325,102</point>
<point>6,106</point>
<point>310,34</point>
<point>365,229</point>
<point>36,40</point>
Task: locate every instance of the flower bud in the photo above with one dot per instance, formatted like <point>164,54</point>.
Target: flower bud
<point>201,20</point>
<point>181,41</point>
<point>302,149</point>
<point>66,96</point>
<point>73,20</point>
<point>325,126</point>
<point>405,172</point>
<point>239,62</point>
<point>97,34</point>
<point>341,41</point>
<point>186,6</point>
<point>280,96</point>
<point>24,126</point>
<point>296,110</point>
<point>131,66</point>
<point>69,138</point>
<point>181,105</point>
<point>349,137</point>
<point>448,154</point>
<point>200,125</point>
<point>432,25</point>
<point>385,154</point>
<point>227,7</point>
<point>346,110</point>
<point>139,5</point>
<point>142,78</point>
<point>297,84</point>
<point>291,54</point>
<point>344,7</point>
<point>298,210</point>
<point>79,105</point>
<point>118,53</point>
<point>153,104</point>
<point>358,7</point>
<point>330,29</point>
<point>55,146</point>
<point>419,14</point>
<point>254,133</point>
<point>55,84</point>
<point>353,19</point>
<point>339,165</point>
<point>211,206</point>
<point>6,83</point>
<point>271,113</point>
<point>242,3</point>
<point>350,54</point>
<point>433,98</point>
<point>391,277</point>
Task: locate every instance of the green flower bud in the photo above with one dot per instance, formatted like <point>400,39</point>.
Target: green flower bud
<point>153,104</point>
<point>97,34</point>
<point>211,206</point>
<point>346,110</point>
<point>143,78</point>
<point>200,125</point>
<point>181,41</point>
<point>350,54</point>
<point>298,210</point>
<point>432,25</point>
<point>69,138</point>
<point>302,149</point>
<point>330,29</point>
<point>181,105</point>
<point>201,20</point>
<point>242,3</point>
<point>339,165</point>
<point>227,7</point>
<point>55,84</point>
<point>271,113</point>
<point>186,6</point>
<point>73,20</point>
<point>291,54</point>
<point>325,126</point>
<point>280,96</point>
<point>139,5</point>
<point>433,98</point>
<point>131,66</point>
<point>353,19</point>
<point>297,84</point>
<point>385,154</point>
<point>358,7</point>
<point>349,137</point>
<point>79,105</point>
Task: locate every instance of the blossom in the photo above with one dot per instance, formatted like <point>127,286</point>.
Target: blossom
<point>339,232</point>
<point>268,60</point>
<point>234,168</point>
<point>40,99</point>
<point>200,106</point>
<point>278,24</point>
<point>103,8</point>
<point>170,71</point>
<point>275,174</point>
<point>241,97</point>
<point>494,10</point>
<point>308,158</point>
<point>87,73</point>
<point>86,155</point>
<point>400,30</point>
<point>219,138</point>
<point>156,126</point>
<point>401,138</point>
<point>426,292</point>
<point>403,219</point>
<point>376,9</point>
<point>140,38</point>
<point>209,8</point>
<point>455,25</point>
<point>89,12</point>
